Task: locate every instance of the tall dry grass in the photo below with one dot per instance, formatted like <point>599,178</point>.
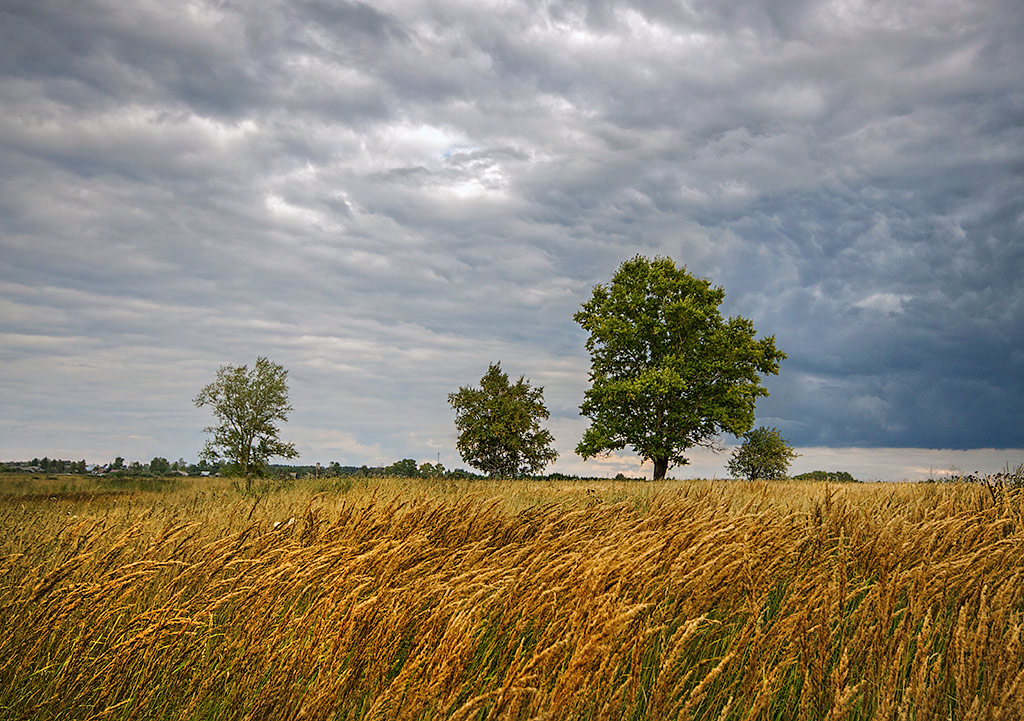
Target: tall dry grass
<point>695,600</point>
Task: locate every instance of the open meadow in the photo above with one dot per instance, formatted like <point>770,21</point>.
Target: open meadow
<point>417,599</point>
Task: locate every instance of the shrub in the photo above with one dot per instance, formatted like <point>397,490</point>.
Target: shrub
<point>764,454</point>
<point>832,476</point>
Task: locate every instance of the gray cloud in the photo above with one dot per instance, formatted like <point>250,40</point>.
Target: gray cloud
<point>386,197</point>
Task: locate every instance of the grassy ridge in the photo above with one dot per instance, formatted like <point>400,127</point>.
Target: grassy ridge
<point>702,600</point>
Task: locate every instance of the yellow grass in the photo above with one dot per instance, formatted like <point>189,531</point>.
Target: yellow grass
<point>419,600</point>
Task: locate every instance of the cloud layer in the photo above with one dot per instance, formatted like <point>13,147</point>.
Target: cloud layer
<point>385,198</point>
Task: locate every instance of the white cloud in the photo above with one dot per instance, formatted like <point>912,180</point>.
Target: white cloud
<point>891,303</point>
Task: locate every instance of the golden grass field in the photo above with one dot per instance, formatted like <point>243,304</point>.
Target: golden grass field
<point>519,600</point>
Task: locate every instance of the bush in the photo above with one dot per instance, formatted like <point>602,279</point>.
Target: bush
<point>831,476</point>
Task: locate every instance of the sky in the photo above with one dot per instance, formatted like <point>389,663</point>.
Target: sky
<point>386,197</point>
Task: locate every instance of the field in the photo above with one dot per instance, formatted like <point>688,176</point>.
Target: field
<point>473,600</point>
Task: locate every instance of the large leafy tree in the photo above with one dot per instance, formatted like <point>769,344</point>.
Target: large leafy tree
<point>668,372</point>
<point>764,454</point>
<point>247,405</point>
<point>499,425</point>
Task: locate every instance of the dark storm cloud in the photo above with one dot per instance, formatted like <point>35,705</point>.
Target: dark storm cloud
<point>387,196</point>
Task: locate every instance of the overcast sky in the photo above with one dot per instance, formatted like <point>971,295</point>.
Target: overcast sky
<point>385,197</point>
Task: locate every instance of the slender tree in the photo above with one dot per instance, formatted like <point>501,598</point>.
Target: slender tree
<point>668,372</point>
<point>499,425</point>
<point>247,406</point>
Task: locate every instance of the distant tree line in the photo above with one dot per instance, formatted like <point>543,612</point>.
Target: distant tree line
<point>405,468</point>
<point>160,467</point>
<point>408,468</point>
<point>830,476</point>
<point>44,465</point>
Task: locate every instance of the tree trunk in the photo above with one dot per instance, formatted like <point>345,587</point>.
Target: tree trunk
<point>660,468</point>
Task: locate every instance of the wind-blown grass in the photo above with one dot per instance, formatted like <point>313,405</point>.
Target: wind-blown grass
<point>699,600</point>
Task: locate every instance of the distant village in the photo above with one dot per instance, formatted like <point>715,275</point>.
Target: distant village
<point>157,467</point>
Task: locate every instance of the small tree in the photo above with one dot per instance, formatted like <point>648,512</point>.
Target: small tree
<point>499,425</point>
<point>764,454</point>
<point>247,405</point>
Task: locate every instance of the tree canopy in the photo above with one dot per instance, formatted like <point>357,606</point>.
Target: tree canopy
<point>764,454</point>
<point>247,405</point>
<point>499,425</point>
<point>405,468</point>
<point>668,372</point>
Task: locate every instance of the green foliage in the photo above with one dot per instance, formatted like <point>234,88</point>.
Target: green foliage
<point>832,476</point>
<point>499,425</point>
<point>764,454</point>
<point>247,405</point>
<point>461,474</point>
<point>432,470</point>
<point>668,372</point>
<point>405,468</point>
<point>159,466</point>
